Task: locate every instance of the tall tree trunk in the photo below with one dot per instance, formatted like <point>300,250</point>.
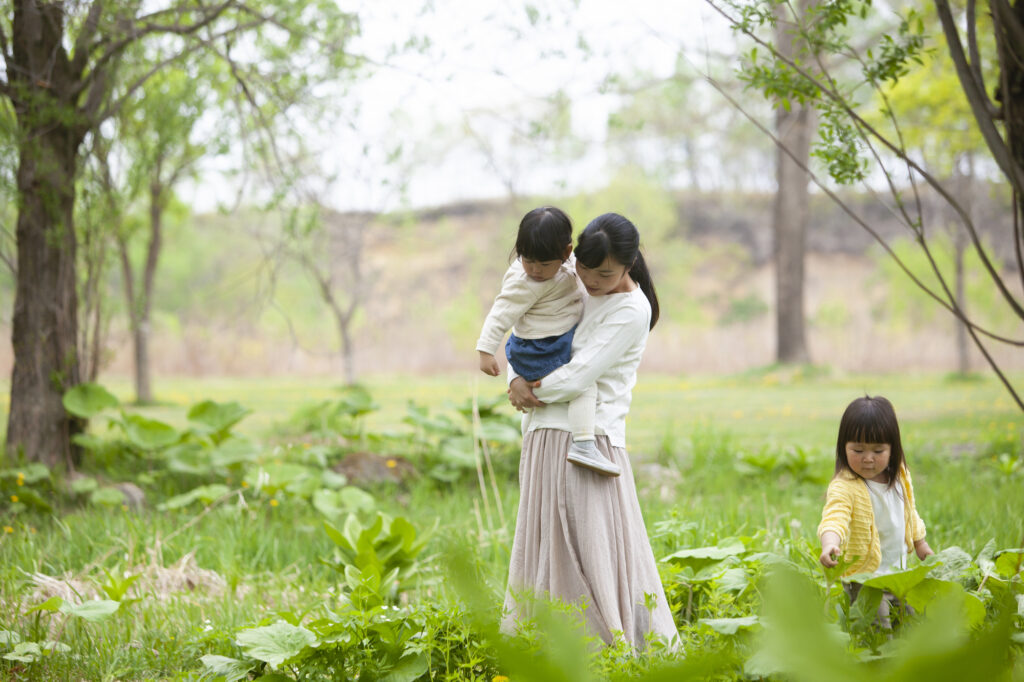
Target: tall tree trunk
<point>793,128</point>
<point>45,321</point>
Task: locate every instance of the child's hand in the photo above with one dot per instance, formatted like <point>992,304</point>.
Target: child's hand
<point>488,365</point>
<point>923,549</point>
<point>829,550</point>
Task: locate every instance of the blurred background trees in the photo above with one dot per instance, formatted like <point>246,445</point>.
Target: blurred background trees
<point>255,187</point>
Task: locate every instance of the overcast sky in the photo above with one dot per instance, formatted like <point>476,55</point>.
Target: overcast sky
<point>487,66</point>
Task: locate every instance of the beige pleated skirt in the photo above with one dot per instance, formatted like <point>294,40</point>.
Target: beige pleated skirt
<point>580,538</point>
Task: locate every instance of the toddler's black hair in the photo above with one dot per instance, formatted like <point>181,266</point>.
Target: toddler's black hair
<point>870,420</point>
<point>543,234</point>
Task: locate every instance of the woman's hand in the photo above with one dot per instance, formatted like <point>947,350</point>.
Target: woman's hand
<point>923,549</point>
<point>520,394</point>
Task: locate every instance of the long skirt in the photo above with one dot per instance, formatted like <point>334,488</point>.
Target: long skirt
<point>580,538</point>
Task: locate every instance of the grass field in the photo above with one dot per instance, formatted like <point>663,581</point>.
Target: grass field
<point>716,458</point>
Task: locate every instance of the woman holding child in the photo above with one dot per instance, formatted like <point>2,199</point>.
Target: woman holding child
<point>580,535</point>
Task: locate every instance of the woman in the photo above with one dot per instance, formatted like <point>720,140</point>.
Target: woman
<point>580,536</point>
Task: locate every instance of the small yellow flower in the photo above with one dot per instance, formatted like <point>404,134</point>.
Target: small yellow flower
<point>499,678</point>
<point>32,529</point>
<point>8,529</point>
<point>391,463</point>
<point>20,481</point>
<point>274,503</point>
<point>14,498</point>
<point>245,484</point>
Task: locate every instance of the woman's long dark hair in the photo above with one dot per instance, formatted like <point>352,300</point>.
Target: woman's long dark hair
<point>614,235</point>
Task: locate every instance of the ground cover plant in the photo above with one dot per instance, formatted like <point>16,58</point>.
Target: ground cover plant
<point>293,530</point>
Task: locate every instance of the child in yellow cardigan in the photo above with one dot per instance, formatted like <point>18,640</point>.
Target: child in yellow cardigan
<point>870,517</point>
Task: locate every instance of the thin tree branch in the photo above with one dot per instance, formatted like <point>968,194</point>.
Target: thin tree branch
<point>860,221</point>
<point>143,27</point>
<point>972,328</point>
<point>80,54</point>
<point>900,153</point>
<point>977,98</point>
<point>975,58</point>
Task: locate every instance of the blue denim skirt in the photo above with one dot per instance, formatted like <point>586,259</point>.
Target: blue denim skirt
<point>536,358</point>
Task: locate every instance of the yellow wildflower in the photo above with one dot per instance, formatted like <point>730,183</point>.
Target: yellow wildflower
<point>20,481</point>
<point>14,498</point>
<point>8,529</point>
<point>274,503</point>
<point>391,463</point>
<point>499,678</point>
<point>245,484</point>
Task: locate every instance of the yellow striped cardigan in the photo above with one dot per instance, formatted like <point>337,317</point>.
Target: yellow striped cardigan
<point>848,513</point>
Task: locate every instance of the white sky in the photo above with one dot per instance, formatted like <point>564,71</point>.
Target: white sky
<point>487,65</point>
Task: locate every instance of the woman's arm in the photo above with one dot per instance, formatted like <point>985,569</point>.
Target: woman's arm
<point>612,338</point>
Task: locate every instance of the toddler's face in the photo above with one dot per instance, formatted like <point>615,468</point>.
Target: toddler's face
<point>540,270</point>
<point>869,460</point>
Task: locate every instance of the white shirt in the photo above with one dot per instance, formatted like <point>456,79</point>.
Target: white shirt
<point>532,309</point>
<point>606,351</point>
<point>887,505</point>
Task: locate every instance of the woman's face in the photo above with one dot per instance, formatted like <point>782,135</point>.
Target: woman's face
<point>610,277</point>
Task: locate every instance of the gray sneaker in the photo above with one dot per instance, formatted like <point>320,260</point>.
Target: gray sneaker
<point>584,453</point>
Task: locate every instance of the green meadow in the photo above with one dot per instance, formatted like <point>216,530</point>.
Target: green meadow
<point>257,554</point>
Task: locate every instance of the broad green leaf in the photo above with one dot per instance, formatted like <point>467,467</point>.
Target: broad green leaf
<point>212,417</point>
<point>204,493</point>
<point>952,563</point>
<point>148,434</point>
<point>1009,562</point>
<point>52,604</point>
<point>32,472</point>
<point>85,484</point>
<point>7,637</point>
<point>700,557</point>
<point>25,652</point>
<point>234,450</point>
<point>106,497</point>
<point>231,669</point>
<point>338,537</point>
<point>275,643</point>
<point>87,400</point>
<point>88,441</point>
<point>901,582</point>
<point>730,626</point>
<point>92,610</point>
<point>31,498</point>
<point>407,669</point>
<point>732,580</point>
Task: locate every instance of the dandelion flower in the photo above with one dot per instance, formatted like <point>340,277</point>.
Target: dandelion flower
<point>245,484</point>
<point>8,529</point>
<point>274,503</point>
<point>499,678</point>
<point>391,463</point>
<point>14,498</point>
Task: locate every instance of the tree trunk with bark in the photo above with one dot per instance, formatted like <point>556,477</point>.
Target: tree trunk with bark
<point>45,320</point>
<point>793,126</point>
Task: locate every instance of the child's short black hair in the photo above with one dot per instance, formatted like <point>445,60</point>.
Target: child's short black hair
<point>870,420</point>
<point>544,234</point>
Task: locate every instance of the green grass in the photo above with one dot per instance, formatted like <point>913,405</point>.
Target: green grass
<point>250,559</point>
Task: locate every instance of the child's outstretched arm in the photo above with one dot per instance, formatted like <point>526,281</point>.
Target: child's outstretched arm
<point>923,549</point>
<point>829,549</point>
<point>488,364</point>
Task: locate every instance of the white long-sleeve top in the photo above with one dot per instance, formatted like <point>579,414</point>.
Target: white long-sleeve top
<point>532,309</point>
<point>606,350</point>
